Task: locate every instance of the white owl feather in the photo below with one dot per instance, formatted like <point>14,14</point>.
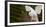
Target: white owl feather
<point>32,13</point>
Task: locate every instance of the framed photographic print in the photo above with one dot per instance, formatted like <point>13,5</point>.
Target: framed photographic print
<point>24,13</point>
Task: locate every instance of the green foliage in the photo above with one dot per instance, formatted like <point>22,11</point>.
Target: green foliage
<point>17,12</point>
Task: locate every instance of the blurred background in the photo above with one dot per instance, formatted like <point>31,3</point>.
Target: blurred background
<point>18,13</point>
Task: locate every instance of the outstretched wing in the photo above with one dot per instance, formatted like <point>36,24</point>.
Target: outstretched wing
<point>30,9</point>
<point>32,13</point>
<point>38,9</point>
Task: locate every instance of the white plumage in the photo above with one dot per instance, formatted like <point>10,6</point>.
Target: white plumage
<point>32,13</point>
<point>38,9</point>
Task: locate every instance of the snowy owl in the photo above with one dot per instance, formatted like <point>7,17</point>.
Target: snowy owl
<point>32,13</point>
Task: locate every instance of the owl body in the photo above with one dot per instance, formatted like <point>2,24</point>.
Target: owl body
<point>32,13</point>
